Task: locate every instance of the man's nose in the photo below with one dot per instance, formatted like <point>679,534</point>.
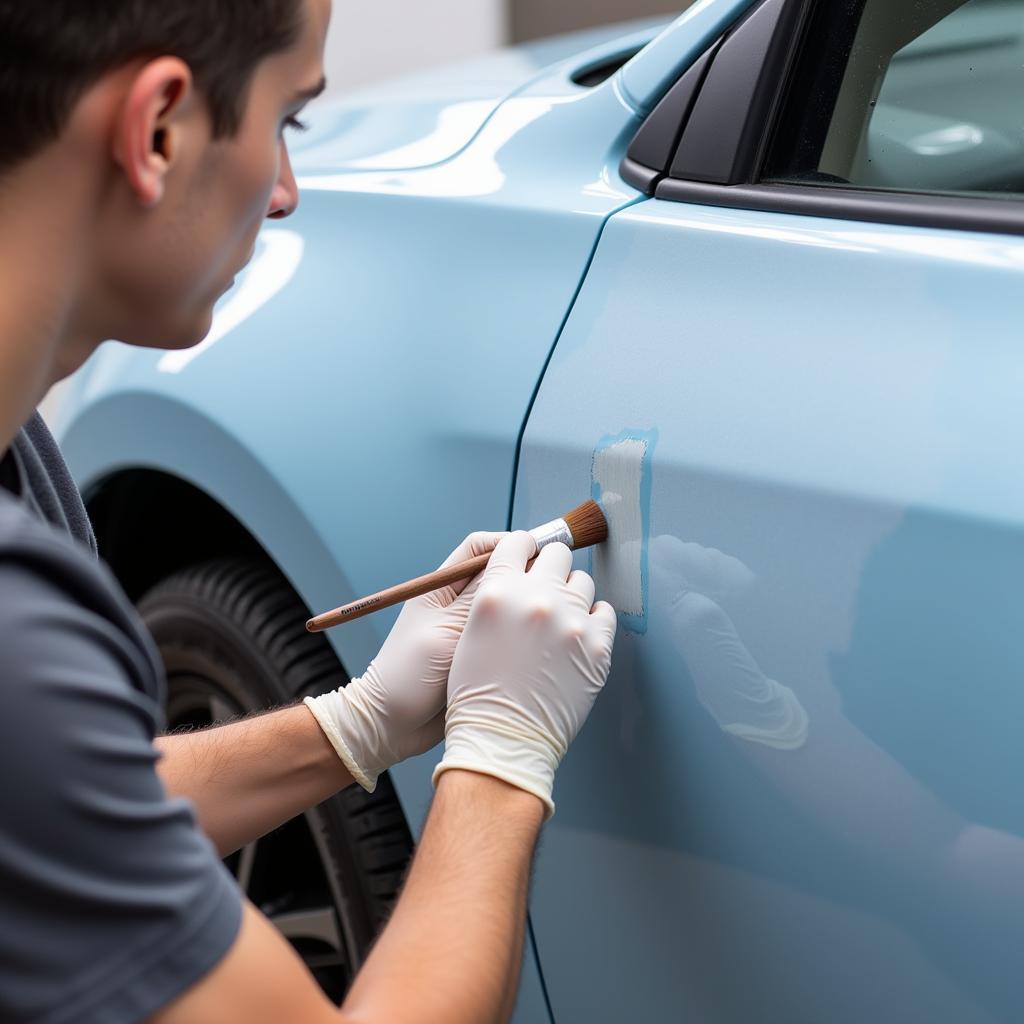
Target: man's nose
<point>284,200</point>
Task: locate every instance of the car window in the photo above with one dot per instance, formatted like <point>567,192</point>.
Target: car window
<point>915,95</point>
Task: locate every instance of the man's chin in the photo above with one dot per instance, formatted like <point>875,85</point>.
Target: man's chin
<point>198,334</point>
<point>174,338</point>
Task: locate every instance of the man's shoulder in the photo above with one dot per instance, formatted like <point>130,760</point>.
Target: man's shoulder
<point>53,591</point>
<point>47,484</point>
<point>31,542</point>
<point>97,862</point>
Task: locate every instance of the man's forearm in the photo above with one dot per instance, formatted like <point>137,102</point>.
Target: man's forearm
<point>248,777</point>
<point>452,950</point>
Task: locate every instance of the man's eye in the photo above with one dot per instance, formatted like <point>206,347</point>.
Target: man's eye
<point>295,124</point>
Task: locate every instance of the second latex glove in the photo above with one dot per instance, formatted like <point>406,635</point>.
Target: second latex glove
<point>396,708</point>
<point>534,655</point>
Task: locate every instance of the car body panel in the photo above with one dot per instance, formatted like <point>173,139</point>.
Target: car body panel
<point>833,421</point>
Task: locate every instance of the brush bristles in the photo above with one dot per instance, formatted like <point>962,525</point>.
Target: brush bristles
<point>587,525</point>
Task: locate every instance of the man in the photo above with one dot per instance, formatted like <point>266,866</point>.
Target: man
<point>142,148</point>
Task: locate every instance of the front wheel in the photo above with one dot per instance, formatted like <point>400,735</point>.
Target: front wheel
<point>233,641</point>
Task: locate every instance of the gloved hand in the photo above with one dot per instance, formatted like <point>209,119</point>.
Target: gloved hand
<point>396,708</point>
<point>534,655</point>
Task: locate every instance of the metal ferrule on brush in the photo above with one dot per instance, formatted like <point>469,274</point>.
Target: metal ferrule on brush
<point>555,532</point>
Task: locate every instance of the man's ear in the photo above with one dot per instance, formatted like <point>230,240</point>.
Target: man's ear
<point>149,125</point>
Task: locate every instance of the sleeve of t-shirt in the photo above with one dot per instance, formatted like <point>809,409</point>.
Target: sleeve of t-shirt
<point>112,902</point>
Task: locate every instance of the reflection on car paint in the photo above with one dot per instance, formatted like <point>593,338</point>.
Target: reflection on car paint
<point>953,876</point>
<point>454,128</point>
<point>279,253</point>
<point>475,171</point>
<point>743,701</point>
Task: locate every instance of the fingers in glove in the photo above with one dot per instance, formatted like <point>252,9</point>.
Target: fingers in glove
<point>475,544</point>
<point>468,588</point>
<point>583,584</point>
<point>511,555</point>
<point>479,543</point>
<point>603,615</point>
<point>554,563</point>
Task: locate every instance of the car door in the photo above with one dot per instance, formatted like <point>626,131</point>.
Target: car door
<point>794,378</point>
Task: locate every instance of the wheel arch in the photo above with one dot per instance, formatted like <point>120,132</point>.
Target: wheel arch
<point>182,488</point>
<point>133,505</point>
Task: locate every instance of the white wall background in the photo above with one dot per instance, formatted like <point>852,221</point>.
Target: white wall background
<point>383,39</point>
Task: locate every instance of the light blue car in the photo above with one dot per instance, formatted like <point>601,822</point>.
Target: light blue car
<point>755,280</point>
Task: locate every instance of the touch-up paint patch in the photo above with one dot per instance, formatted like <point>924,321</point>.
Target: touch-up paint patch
<point>621,483</point>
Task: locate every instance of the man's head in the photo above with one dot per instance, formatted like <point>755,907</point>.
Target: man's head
<point>164,121</point>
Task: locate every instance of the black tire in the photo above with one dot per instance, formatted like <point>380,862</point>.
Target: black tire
<point>233,640</point>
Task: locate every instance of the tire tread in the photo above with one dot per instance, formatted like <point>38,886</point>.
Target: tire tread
<point>256,601</point>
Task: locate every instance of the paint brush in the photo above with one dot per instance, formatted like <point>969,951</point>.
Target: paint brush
<point>583,527</point>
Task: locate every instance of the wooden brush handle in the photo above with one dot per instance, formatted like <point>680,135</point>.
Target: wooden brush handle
<point>402,592</point>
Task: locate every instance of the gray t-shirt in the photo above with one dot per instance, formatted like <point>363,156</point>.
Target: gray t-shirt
<point>35,471</point>
<point>112,902</point>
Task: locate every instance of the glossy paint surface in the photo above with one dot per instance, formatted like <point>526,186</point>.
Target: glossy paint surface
<point>427,118</point>
<point>799,798</point>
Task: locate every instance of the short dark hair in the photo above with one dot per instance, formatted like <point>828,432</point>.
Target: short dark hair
<point>51,51</point>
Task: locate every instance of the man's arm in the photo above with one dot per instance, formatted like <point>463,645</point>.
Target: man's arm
<point>453,949</point>
<point>450,953</point>
<point>248,777</point>
<point>534,655</point>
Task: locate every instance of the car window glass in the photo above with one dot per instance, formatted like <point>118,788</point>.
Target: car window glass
<point>930,99</point>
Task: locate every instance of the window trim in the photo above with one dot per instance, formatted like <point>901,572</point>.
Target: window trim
<point>911,209</point>
<point>711,126</point>
<point>726,136</point>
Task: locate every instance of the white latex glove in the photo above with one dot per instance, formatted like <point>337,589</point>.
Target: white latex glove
<point>396,708</point>
<point>532,659</point>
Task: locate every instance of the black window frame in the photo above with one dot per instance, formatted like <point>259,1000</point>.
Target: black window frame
<point>753,138</point>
